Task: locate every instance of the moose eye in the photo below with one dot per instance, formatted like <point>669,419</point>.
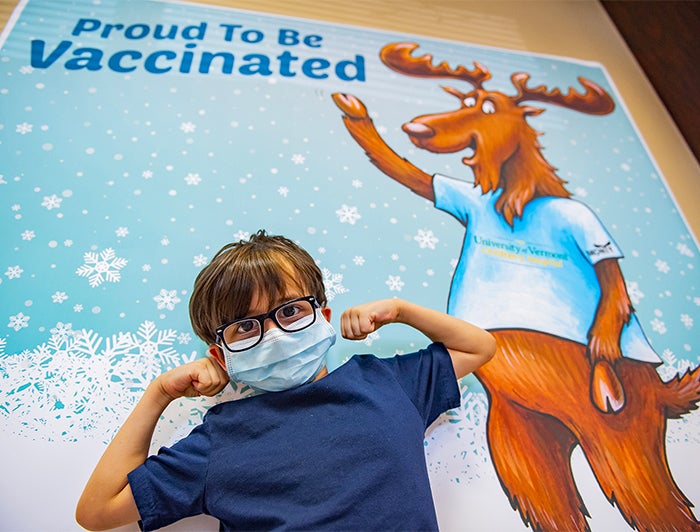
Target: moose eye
<point>488,107</point>
<point>469,101</point>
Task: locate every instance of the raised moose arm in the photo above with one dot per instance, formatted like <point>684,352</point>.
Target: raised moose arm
<point>362,129</point>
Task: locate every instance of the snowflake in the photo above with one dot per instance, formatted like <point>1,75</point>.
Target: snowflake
<point>662,266</point>
<point>187,127</point>
<point>199,260</point>
<point>395,283</point>
<point>241,235</point>
<point>121,232</point>
<point>683,249</point>
<point>358,260</point>
<point>24,128</point>
<point>672,366</point>
<point>77,308</point>
<point>51,202</point>
<point>165,241</point>
<point>62,331</point>
<point>166,299</point>
<point>426,239</point>
<point>687,320</point>
<point>14,272</point>
<point>333,283</point>
<point>184,338</point>
<point>59,297</point>
<point>68,243</point>
<point>283,191</point>
<point>356,183</point>
<point>193,179</point>
<point>18,321</point>
<point>636,295</point>
<point>371,337</point>
<point>155,353</point>
<point>147,174</point>
<point>28,235</point>
<point>102,267</point>
<point>26,69</point>
<point>464,427</point>
<point>658,326</point>
<point>298,158</point>
<point>348,214</point>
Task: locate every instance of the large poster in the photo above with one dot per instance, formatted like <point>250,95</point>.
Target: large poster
<point>511,189</point>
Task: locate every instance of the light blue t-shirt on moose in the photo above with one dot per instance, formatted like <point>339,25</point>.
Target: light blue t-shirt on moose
<point>537,274</point>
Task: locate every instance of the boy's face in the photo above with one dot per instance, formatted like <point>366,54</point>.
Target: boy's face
<point>262,303</point>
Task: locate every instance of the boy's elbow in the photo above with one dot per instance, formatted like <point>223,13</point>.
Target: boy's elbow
<point>468,362</point>
<point>92,521</point>
<point>487,350</point>
<point>92,517</point>
<point>86,519</point>
<point>489,347</point>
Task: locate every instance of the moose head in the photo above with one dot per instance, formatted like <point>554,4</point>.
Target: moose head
<point>500,146</point>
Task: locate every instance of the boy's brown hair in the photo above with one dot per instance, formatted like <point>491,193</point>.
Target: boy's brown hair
<point>262,265</point>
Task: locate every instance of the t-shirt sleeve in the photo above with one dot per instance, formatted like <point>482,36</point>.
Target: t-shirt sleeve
<point>170,485</point>
<point>454,196</point>
<point>590,234</point>
<point>428,378</point>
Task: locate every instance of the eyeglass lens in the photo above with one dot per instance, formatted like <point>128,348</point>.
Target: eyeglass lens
<point>290,317</point>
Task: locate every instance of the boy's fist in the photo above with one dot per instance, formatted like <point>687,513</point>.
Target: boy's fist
<point>204,376</point>
<point>359,321</point>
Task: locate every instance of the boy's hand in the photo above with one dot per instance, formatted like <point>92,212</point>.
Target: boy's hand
<point>204,376</point>
<point>359,321</point>
<point>468,345</point>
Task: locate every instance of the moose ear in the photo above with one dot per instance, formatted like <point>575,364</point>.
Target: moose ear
<point>531,111</point>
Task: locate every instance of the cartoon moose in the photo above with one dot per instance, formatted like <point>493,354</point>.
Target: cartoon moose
<point>540,271</point>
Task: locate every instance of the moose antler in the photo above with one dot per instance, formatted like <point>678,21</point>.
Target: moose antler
<point>397,56</point>
<point>595,100</point>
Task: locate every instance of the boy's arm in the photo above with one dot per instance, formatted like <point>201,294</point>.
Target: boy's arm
<point>107,501</point>
<point>469,346</point>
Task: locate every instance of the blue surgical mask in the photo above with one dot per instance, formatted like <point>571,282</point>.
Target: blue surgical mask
<point>283,360</point>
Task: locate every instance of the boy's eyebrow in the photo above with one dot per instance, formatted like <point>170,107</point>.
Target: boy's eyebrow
<point>281,300</point>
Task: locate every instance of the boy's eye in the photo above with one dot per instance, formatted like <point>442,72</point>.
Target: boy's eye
<point>290,311</point>
<point>245,327</point>
<point>295,316</point>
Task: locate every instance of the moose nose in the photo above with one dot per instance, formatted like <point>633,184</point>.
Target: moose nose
<point>416,129</point>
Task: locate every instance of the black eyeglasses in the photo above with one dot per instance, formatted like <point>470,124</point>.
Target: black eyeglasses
<point>292,316</point>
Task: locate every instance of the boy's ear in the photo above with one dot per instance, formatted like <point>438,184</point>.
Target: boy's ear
<point>216,353</point>
<point>326,311</point>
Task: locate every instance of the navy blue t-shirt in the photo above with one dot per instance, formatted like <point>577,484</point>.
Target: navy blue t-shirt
<point>342,453</point>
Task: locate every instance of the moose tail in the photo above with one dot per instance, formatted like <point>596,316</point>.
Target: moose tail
<point>682,393</point>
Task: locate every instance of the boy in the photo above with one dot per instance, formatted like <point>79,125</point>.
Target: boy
<point>311,450</point>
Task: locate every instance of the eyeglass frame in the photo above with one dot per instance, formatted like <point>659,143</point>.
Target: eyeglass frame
<point>261,318</point>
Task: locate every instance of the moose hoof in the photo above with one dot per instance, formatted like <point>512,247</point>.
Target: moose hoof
<point>350,105</point>
<point>607,393</point>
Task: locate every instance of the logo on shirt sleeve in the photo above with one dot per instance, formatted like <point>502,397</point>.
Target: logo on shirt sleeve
<point>601,249</point>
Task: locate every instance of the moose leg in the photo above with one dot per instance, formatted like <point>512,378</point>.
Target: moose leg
<point>628,456</point>
<point>531,453</point>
